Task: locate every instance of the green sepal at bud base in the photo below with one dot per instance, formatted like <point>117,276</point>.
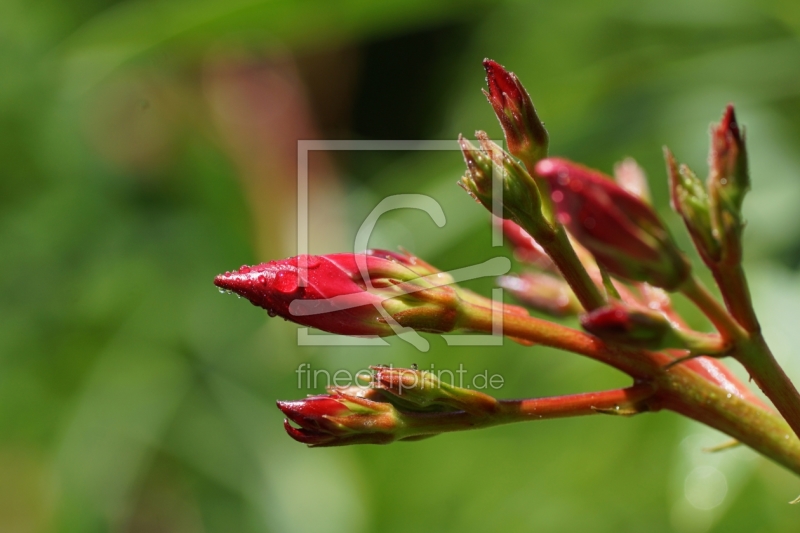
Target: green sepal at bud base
<point>640,327</point>
<point>689,199</point>
<point>521,200</point>
<point>422,390</point>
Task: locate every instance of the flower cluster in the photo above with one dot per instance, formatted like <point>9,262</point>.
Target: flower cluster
<point>587,245</point>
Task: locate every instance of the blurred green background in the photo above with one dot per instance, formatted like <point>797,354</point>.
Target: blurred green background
<point>146,146</point>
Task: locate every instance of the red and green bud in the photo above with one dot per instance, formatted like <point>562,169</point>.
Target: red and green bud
<point>729,179</point>
<point>421,268</point>
<point>728,183</point>
<point>689,199</point>
<point>622,232</point>
<point>520,201</point>
<point>419,389</point>
<point>641,327</point>
<point>364,294</point>
<point>542,292</point>
<point>525,134</point>
<point>340,419</point>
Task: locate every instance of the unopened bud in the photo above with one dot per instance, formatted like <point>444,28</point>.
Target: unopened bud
<point>622,232</point>
<point>645,328</point>
<point>689,199</point>
<point>520,200</point>
<point>349,294</point>
<point>525,134</point>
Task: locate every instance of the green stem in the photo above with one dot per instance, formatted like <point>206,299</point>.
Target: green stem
<point>627,401</point>
<point>680,389</point>
<point>563,255</point>
<point>750,349</point>
<point>758,360</point>
<point>695,291</point>
<point>733,286</point>
<point>688,394</point>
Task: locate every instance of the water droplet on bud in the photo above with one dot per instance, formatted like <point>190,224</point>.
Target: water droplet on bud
<point>286,281</point>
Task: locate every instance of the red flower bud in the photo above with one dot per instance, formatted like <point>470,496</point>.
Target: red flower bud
<point>728,161</point>
<point>646,328</point>
<point>622,232</point>
<point>524,132</point>
<point>348,294</point>
<point>339,419</point>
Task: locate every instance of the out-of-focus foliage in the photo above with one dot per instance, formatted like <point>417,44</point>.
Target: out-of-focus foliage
<point>148,145</point>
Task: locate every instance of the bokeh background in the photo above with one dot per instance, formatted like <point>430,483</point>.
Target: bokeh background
<point>146,146</point>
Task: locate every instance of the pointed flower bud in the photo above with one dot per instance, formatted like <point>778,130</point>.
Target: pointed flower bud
<point>641,327</point>
<point>623,233</point>
<point>728,183</point>
<point>729,179</point>
<point>689,199</point>
<point>542,292</point>
<point>340,419</point>
<point>348,294</point>
<point>421,389</point>
<point>520,196</point>
<point>525,134</point>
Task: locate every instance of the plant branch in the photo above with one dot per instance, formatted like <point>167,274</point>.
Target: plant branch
<point>626,401</point>
<point>695,291</point>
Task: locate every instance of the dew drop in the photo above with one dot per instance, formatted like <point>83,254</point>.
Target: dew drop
<point>221,290</point>
<point>557,196</point>
<point>286,281</point>
<point>244,270</point>
<point>272,313</point>
<point>723,181</point>
<point>728,395</point>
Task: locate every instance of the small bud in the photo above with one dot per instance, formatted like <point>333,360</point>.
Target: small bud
<point>542,292</point>
<point>689,199</point>
<point>728,183</point>
<point>340,419</point>
<point>423,389</point>
<point>348,294</point>
<point>640,327</point>
<point>525,134</point>
<point>729,179</point>
<point>623,233</point>
<point>520,195</point>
